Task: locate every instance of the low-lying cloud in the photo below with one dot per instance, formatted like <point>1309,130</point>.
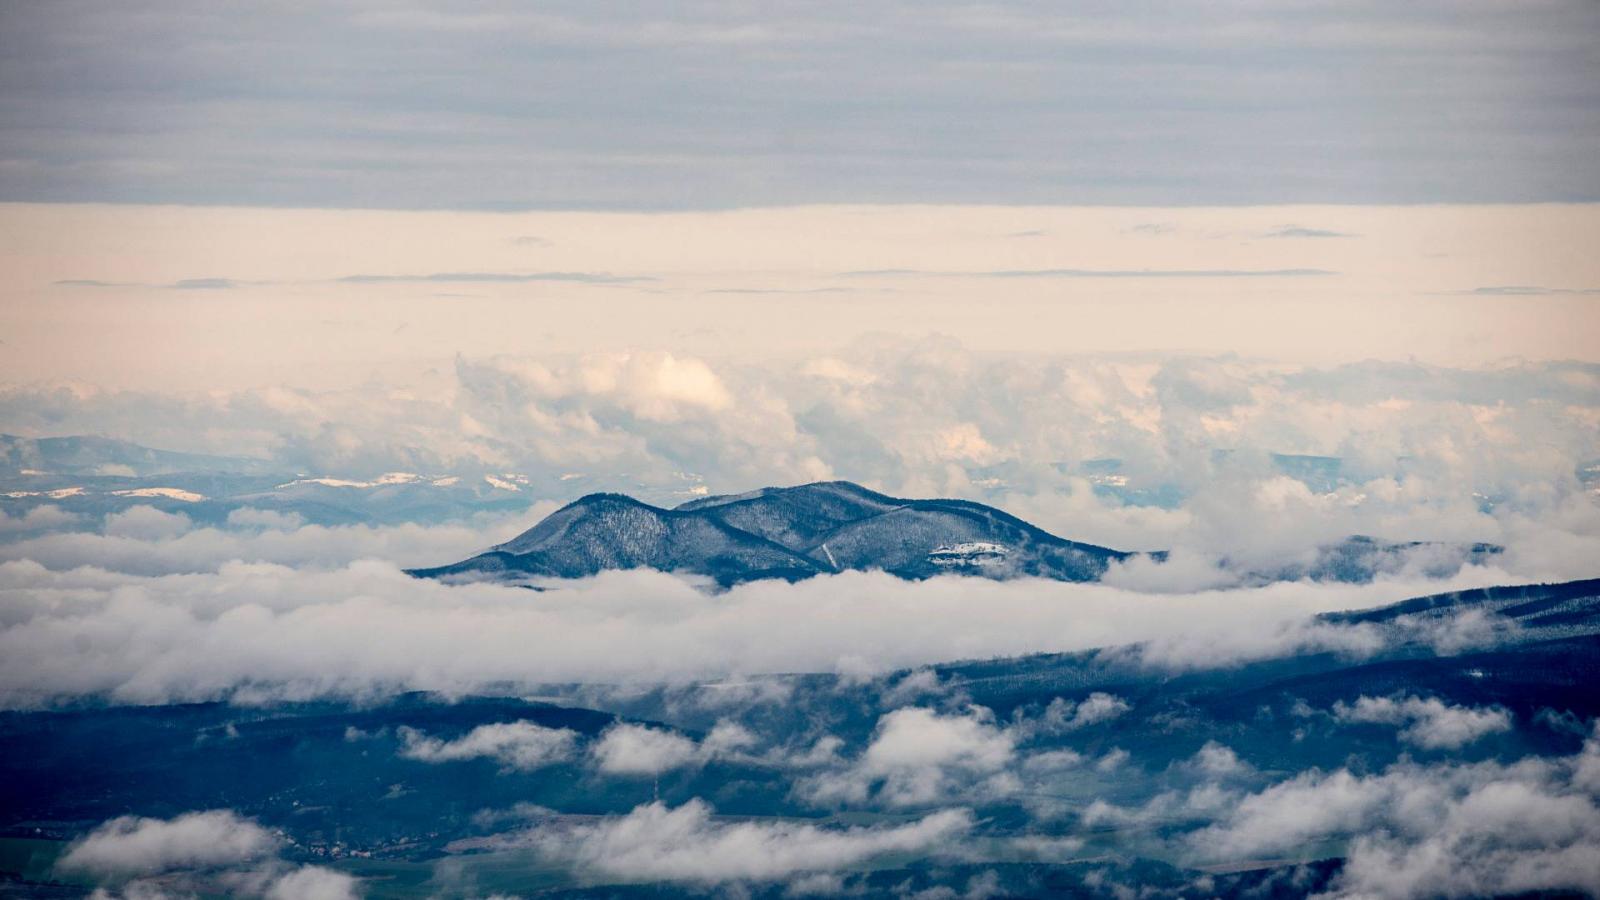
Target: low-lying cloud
<point>132,845</point>
<point>1429,723</point>
<point>522,746</point>
<point>916,758</point>
<point>689,844</point>
<point>262,630</point>
<point>148,541</point>
<point>1063,715</point>
<point>637,750</point>
<point>1446,830</point>
<point>215,852</point>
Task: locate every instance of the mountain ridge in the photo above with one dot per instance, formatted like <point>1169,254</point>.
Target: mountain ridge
<point>825,527</point>
<point>788,532</point>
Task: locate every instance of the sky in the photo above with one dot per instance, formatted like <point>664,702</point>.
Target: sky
<point>615,105</point>
<point>238,297</point>
<point>322,195</point>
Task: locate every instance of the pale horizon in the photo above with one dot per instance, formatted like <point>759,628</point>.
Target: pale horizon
<point>1445,285</point>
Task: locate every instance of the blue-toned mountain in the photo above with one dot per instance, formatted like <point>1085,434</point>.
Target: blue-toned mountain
<point>836,526</point>
<point>790,533</point>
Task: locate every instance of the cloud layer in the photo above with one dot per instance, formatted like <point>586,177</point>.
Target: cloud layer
<point>261,630</point>
<point>1219,457</point>
<point>1447,830</point>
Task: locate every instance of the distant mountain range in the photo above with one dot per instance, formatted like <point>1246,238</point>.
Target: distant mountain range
<point>811,529</point>
<point>99,456</point>
<point>91,477</point>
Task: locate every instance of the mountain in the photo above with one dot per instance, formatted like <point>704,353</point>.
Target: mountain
<point>1360,558</point>
<point>790,533</point>
<point>835,526</point>
<point>90,477</point>
<point>90,455</point>
<point>612,531</point>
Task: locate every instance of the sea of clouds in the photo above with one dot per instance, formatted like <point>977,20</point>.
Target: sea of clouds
<point>1412,829</point>
<point>145,605</point>
<point>1424,450</point>
<point>244,617</point>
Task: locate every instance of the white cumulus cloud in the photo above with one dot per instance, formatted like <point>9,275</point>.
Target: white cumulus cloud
<point>133,845</point>
<point>626,749</point>
<point>517,745</point>
<point>689,844</point>
<point>919,757</point>
<point>210,852</point>
<point>1429,722</point>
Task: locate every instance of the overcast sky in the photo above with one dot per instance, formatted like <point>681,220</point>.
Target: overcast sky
<point>485,105</point>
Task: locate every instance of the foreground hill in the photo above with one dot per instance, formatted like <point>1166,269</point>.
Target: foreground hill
<point>412,792</point>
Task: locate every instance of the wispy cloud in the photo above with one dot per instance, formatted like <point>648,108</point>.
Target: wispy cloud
<point>204,284</point>
<point>495,278</point>
<point>655,625</point>
<point>223,284</point>
<point>1095,273</point>
<point>1523,290</point>
<point>95,283</point>
<point>823,290</point>
<point>182,284</point>
<point>1299,231</point>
